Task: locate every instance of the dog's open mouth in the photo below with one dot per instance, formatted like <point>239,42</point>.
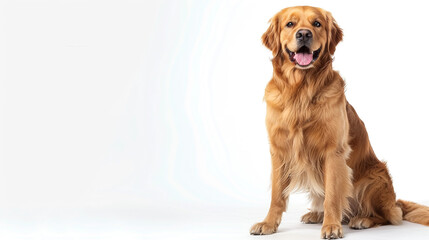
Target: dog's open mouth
<point>304,56</point>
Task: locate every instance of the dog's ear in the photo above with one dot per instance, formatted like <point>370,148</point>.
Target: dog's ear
<point>271,38</point>
<point>335,33</point>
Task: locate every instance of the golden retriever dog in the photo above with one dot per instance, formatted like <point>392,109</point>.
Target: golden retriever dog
<point>318,143</point>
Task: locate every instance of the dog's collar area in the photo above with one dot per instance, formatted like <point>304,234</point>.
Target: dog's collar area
<point>303,57</point>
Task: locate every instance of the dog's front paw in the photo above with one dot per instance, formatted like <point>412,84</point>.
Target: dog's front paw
<point>332,231</point>
<point>263,228</point>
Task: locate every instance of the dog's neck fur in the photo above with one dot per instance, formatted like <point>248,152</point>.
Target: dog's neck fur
<point>316,82</point>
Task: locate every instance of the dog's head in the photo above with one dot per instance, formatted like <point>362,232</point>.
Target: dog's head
<point>302,35</point>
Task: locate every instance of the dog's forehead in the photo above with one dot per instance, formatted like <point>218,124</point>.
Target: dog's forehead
<point>302,12</point>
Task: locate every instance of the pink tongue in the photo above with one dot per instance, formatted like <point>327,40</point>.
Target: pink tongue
<point>303,59</point>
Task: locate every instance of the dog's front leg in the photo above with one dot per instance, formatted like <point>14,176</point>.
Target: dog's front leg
<point>278,200</point>
<point>338,186</point>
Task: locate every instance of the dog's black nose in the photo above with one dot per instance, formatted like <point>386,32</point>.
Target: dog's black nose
<point>304,35</point>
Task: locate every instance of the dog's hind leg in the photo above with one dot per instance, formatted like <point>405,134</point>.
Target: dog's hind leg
<point>377,200</point>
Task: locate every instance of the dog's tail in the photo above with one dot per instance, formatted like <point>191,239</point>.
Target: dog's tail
<point>414,212</point>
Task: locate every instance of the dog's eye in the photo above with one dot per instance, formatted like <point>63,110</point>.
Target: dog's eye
<point>289,24</point>
<point>317,24</point>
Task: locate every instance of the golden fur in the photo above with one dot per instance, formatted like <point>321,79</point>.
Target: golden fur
<point>317,141</point>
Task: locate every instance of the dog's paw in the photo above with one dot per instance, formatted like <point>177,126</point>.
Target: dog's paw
<point>312,217</point>
<point>360,223</point>
<point>263,228</point>
<point>332,231</point>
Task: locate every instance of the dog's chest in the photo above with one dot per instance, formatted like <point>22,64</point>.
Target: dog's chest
<point>296,128</point>
<point>296,121</point>
<point>293,133</point>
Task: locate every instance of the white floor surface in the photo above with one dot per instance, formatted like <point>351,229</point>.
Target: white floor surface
<point>191,222</point>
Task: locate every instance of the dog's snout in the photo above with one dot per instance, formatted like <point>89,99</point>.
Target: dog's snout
<point>304,35</point>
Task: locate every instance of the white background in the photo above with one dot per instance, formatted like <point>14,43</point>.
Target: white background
<point>145,120</point>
